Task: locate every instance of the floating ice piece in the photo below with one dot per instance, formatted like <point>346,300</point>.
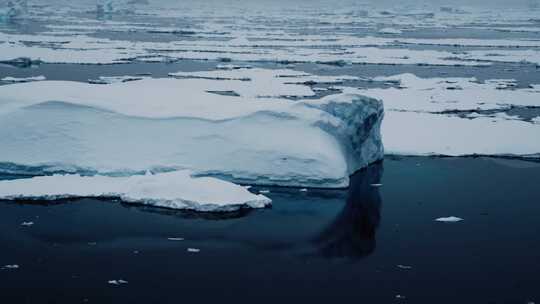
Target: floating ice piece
<point>389,30</point>
<point>13,266</point>
<point>376,185</point>
<point>24,79</point>
<point>118,282</point>
<point>27,224</point>
<point>303,190</point>
<point>232,67</point>
<point>176,190</point>
<point>175,123</point>
<point>400,297</point>
<point>115,79</point>
<point>264,191</point>
<point>175,239</point>
<point>404,267</point>
<point>193,250</point>
<point>450,219</point>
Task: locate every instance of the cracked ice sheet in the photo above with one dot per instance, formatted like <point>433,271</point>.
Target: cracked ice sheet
<point>175,190</point>
<point>265,82</point>
<point>83,49</point>
<point>409,133</point>
<point>410,128</point>
<point>310,48</point>
<point>447,94</point>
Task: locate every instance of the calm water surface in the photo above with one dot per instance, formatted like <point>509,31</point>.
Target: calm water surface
<point>366,244</point>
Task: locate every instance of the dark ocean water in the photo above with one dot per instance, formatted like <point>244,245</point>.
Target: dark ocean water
<point>365,245</point>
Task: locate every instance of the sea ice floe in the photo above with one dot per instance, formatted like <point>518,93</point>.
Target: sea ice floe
<point>117,282</point>
<point>389,30</point>
<point>12,266</point>
<point>450,219</point>
<point>176,190</point>
<point>115,79</point>
<point>404,267</point>
<point>455,116</point>
<point>437,95</point>
<point>339,50</point>
<point>175,239</point>
<point>23,79</point>
<point>177,123</point>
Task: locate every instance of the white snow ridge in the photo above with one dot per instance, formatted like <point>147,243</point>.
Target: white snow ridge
<point>176,190</point>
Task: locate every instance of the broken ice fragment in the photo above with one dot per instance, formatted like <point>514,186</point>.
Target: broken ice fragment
<point>175,239</point>
<point>13,266</point>
<point>450,219</point>
<point>23,79</point>
<point>404,267</point>
<point>27,224</point>
<point>193,250</point>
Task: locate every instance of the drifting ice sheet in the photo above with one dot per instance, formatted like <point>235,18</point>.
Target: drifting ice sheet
<point>456,116</point>
<point>176,190</point>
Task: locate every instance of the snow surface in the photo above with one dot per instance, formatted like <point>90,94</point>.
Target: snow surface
<point>181,123</point>
<point>175,190</point>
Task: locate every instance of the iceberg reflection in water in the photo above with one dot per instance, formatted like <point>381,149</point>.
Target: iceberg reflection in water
<point>352,233</point>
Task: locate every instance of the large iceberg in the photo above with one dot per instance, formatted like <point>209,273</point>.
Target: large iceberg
<point>171,124</point>
<point>175,190</point>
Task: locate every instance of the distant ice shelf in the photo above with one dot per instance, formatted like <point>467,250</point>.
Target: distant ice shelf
<point>174,190</point>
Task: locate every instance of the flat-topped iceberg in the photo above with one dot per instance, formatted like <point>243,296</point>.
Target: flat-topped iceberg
<point>176,190</point>
<point>166,124</point>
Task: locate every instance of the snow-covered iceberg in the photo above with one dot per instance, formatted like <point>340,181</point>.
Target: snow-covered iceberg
<point>176,190</point>
<point>169,124</point>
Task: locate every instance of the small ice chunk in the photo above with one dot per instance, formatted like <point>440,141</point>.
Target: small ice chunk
<point>118,282</point>
<point>400,296</point>
<point>175,239</point>
<point>389,30</point>
<point>194,250</point>
<point>115,79</point>
<point>23,79</point>
<point>303,190</point>
<point>404,267</point>
<point>450,219</point>
<point>27,224</point>
<point>264,191</point>
<point>376,185</point>
<point>12,266</point>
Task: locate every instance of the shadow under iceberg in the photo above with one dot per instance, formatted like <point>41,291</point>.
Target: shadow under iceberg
<point>352,234</point>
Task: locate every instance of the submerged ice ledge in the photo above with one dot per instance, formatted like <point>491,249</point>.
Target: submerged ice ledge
<point>175,190</point>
